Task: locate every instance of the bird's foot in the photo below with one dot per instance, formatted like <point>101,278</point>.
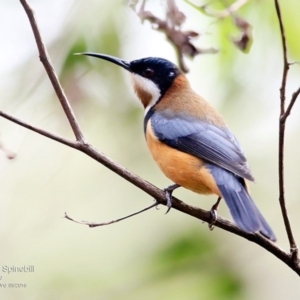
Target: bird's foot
<point>214,214</point>
<point>214,217</point>
<point>168,192</point>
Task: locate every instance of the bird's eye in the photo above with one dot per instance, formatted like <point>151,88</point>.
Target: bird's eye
<point>171,74</point>
<point>148,73</point>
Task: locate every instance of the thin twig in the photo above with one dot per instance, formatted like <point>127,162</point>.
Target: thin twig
<point>46,61</point>
<point>95,224</point>
<point>282,122</point>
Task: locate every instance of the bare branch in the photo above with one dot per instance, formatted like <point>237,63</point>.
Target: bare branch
<point>46,61</point>
<point>282,121</point>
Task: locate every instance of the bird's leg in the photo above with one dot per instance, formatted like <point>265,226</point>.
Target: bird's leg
<point>168,191</point>
<point>214,214</point>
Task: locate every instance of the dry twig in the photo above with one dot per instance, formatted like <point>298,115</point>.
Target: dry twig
<point>171,27</point>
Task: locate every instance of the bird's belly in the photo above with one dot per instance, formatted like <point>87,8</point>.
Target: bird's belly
<point>182,168</point>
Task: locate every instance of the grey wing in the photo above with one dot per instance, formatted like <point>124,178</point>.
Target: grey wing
<point>207,141</point>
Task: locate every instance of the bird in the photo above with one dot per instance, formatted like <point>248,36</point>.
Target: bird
<point>190,140</point>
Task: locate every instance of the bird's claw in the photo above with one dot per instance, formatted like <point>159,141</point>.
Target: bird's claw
<point>169,199</point>
<point>168,192</point>
<point>214,218</point>
<point>214,214</point>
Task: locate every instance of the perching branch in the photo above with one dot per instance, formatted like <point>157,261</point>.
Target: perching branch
<point>142,184</point>
<point>160,197</point>
<point>284,113</point>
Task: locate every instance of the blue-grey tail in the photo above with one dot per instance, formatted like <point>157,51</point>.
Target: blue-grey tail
<point>242,208</point>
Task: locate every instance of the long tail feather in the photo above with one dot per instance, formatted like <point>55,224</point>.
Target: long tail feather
<point>242,208</point>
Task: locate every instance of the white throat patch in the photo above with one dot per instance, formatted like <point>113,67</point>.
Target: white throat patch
<point>146,90</point>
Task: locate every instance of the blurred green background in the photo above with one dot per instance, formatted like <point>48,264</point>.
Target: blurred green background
<point>153,255</point>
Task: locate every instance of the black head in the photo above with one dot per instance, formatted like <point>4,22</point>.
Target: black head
<point>159,70</point>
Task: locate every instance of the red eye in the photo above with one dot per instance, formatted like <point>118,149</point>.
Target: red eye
<point>148,73</point>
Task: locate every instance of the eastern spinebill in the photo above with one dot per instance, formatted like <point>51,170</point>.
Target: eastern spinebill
<point>190,141</point>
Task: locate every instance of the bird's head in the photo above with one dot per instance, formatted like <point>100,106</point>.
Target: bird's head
<point>152,76</point>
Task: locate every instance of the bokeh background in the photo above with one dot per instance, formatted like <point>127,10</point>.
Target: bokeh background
<point>153,255</point>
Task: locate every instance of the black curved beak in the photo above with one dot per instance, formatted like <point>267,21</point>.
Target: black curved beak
<point>118,61</point>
